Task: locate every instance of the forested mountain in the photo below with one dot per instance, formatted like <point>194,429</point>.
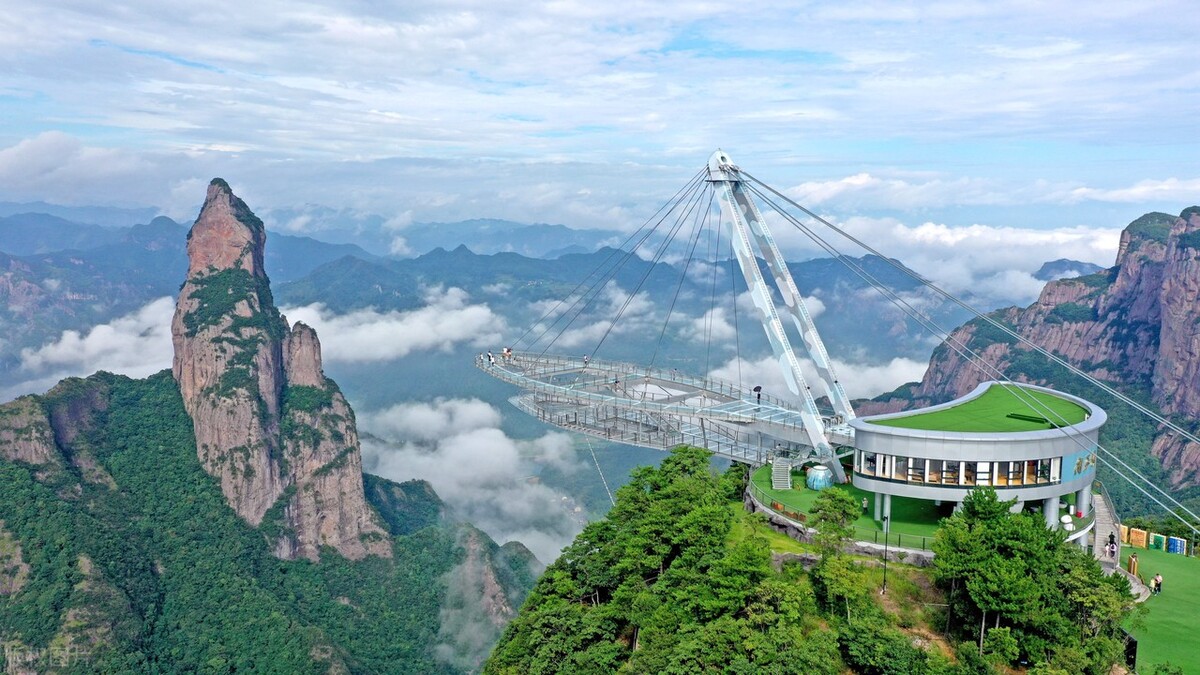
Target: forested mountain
<point>215,518</point>
<point>677,579</point>
<point>1136,325</point>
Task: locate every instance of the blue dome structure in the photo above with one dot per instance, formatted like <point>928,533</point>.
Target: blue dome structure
<point>819,477</point>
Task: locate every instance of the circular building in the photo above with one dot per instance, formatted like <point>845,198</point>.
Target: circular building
<point>1029,443</point>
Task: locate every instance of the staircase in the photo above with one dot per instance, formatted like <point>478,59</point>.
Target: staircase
<point>1105,522</point>
<point>781,474</point>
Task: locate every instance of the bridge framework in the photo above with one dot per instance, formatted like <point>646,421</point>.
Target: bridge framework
<point>658,408</point>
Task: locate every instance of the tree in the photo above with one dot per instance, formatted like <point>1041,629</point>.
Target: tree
<point>833,515</point>
<point>839,578</point>
<point>1012,574</point>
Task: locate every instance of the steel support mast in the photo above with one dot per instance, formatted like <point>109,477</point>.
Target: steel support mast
<point>751,234</point>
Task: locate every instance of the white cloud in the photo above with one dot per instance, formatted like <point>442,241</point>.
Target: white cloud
<point>137,344</point>
<point>988,262</point>
<point>447,321</point>
<point>583,322</point>
<point>1169,190</point>
<point>56,164</point>
<point>483,475</point>
<point>860,380</point>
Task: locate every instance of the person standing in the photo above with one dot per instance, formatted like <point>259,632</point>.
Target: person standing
<point>1158,583</point>
<point>864,505</point>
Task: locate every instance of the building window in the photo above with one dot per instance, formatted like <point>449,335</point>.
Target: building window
<point>937,467</point>
<point>983,473</point>
<point>899,468</point>
<point>869,463</point>
<point>950,474</point>
<point>1016,472</point>
<point>916,471</point>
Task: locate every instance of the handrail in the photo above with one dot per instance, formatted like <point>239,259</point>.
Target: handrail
<point>1112,508</point>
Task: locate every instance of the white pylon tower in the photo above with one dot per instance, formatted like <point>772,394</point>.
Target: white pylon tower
<point>662,408</point>
<point>752,239</point>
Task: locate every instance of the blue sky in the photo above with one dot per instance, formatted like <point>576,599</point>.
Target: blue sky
<point>1002,115</point>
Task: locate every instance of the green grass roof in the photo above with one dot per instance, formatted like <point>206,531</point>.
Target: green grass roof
<point>1002,408</point>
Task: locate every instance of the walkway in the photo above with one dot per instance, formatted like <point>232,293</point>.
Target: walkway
<point>1106,522</point>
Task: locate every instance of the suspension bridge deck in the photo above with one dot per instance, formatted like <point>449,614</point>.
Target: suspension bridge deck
<point>656,407</point>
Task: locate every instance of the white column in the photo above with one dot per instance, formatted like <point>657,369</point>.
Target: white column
<point>1050,512</point>
<point>1083,500</point>
<point>878,512</point>
<point>887,506</point>
<point>1017,507</point>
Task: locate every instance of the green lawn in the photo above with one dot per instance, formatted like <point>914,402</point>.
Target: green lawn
<point>990,412</point>
<point>1170,623</point>
<point>913,520</point>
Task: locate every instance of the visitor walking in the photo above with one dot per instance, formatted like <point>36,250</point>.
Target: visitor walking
<point>1157,584</point>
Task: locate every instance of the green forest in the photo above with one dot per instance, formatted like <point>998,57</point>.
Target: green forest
<point>152,572</point>
<point>678,579</point>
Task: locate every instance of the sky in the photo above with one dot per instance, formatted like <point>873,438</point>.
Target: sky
<point>1018,115</point>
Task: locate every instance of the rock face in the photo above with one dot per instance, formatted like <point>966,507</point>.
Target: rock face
<point>483,593</point>
<point>26,435</point>
<point>269,425</point>
<point>1136,324</point>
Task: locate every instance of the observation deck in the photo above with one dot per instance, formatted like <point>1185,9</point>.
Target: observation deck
<point>658,408</point>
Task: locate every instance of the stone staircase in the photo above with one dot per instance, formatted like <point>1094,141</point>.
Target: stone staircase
<point>781,474</point>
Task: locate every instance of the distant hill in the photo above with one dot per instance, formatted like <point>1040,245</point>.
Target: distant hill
<point>481,235</point>
<point>511,282</point>
<point>1065,269</point>
<point>32,233</point>
<point>499,236</point>
<point>105,216</point>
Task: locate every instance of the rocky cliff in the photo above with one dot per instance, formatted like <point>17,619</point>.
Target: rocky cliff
<point>1136,324</point>
<point>269,425</point>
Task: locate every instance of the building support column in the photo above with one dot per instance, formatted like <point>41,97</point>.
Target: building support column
<point>887,506</point>
<point>1083,501</point>
<point>1017,507</point>
<point>878,512</point>
<point>1050,511</point>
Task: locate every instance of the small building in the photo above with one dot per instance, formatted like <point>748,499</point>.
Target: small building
<point>1030,443</point>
